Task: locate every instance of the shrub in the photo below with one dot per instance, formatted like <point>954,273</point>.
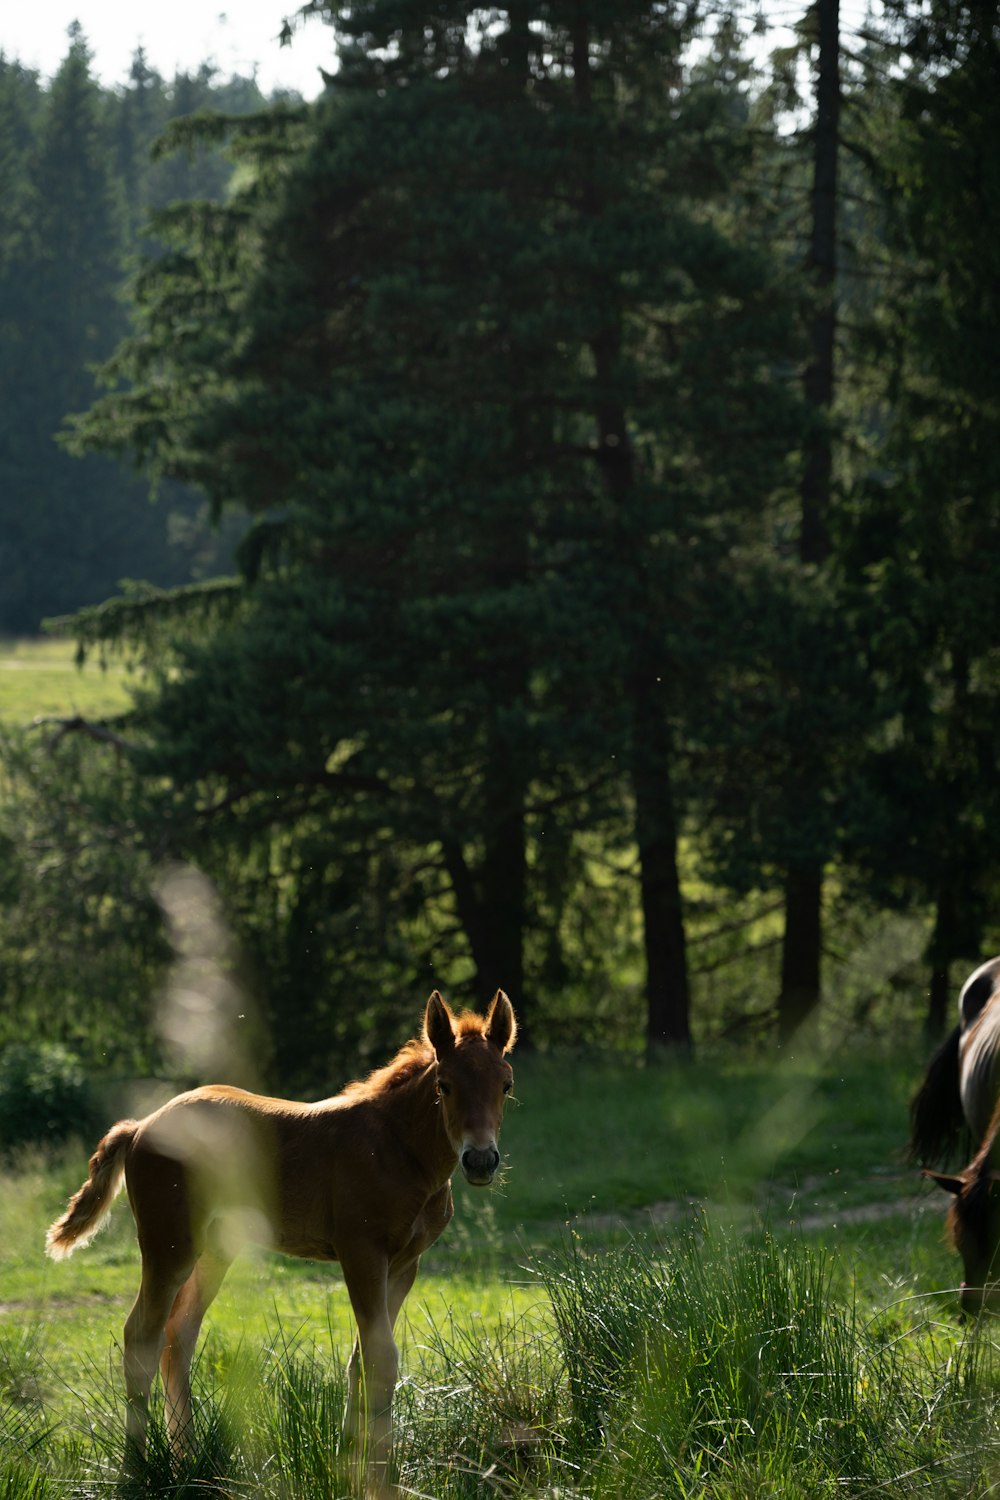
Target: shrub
<point>44,1095</point>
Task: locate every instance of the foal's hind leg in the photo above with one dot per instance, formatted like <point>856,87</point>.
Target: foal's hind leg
<point>181,1336</point>
<point>143,1340</point>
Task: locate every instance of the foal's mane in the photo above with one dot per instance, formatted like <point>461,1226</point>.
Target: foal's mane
<point>411,1060</point>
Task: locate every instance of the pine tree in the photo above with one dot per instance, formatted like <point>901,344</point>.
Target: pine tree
<point>802,700</point>
<point>137,118</point>
<point>928,522</point>
<point>498,384</point>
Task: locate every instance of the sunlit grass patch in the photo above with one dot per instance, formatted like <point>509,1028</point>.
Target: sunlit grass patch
<point>41,677</point>
<point>593,1137</point>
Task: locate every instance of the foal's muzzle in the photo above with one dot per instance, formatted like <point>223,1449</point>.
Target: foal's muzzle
<point>480,1164</point>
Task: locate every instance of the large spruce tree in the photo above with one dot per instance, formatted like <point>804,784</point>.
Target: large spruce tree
<point>480,352</point>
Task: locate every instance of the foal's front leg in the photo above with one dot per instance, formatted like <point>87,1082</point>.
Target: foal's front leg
<point>372,1372</point>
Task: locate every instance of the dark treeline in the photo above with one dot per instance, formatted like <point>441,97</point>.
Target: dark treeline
<point>617,437</point>
<point>80,185</point>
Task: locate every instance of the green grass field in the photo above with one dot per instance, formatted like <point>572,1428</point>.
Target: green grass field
<point>39,678</point>
<point>664,1241</point>
<point>720,1279</point>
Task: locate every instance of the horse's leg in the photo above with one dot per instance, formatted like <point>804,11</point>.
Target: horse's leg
<point>373,1369</point>
<point>398,1285</point>
<point>181,1336</point>
<point>400,1282</point>
<point>143,1340</point>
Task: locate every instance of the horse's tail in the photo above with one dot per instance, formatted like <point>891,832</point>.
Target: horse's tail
<point>937,1123</point>
<point>89,1207</point>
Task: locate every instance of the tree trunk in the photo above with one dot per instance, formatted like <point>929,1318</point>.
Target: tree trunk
<point>951,936</point>
<point>668,997</point>
<point>667,989</point>
<point>503,882</point>
<point>937,1003</point>
<point>801,960</point>
<point>801,949</point>
<point>494,904</point>
<point>816,485</point>
<point>492,900</point>
<point>668,1001</point>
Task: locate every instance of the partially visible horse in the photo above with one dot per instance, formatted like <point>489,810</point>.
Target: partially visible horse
<point>363,1178</point>
<point>958,1100</point>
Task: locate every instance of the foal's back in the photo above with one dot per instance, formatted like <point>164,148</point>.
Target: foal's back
<point>228,1168</point>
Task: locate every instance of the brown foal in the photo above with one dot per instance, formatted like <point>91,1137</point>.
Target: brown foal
<point>363,1178</point>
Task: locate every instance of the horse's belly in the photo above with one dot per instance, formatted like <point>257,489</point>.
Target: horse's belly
<point>304,1247</point>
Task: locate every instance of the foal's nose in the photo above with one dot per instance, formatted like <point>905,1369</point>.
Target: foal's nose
<point>480,1164</point>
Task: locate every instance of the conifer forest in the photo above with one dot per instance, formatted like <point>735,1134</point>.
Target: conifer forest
<point>544,497</point>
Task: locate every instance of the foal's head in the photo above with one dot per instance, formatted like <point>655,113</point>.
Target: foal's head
<point>473,1079</point>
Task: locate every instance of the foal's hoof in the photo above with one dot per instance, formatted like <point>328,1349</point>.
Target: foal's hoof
<point>133,1465</point>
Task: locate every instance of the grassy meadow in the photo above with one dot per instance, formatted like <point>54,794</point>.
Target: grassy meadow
<point>39,678</point>
<point>720,1279</point>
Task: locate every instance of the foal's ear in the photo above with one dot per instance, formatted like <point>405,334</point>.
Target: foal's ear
<point>501,1025</point>
<point>944,1180</point>
<point>439,1025</point>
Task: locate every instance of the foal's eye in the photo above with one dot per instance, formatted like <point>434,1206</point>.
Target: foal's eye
<point>508,1086</point>
<point>444,1088</point>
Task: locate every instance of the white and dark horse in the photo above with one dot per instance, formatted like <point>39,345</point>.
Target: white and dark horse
<point>957,1103</point>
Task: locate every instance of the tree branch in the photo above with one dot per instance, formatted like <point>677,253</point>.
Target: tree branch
<point>77,724</point>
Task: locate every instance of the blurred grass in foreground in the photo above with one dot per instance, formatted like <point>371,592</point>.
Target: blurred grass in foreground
<point>710,1361</point>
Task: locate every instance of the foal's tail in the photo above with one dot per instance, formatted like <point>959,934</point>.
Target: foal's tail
<point>89,1207</point>
<point>937,1124</point>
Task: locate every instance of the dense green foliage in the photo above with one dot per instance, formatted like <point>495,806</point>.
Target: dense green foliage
<point>549,661</point>
<point>43,1096</point>
<point>83,947</point>
<point>928,520</point>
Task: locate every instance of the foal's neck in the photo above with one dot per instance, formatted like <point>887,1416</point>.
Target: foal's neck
<point>414,1107</point>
